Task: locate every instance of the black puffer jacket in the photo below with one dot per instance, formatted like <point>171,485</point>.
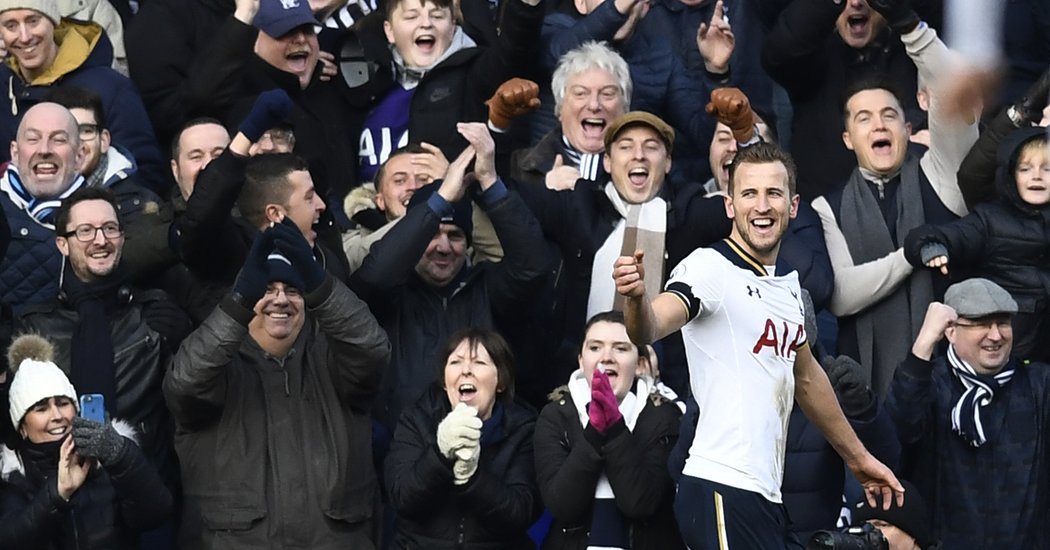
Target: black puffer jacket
<point>107,512</point>
<point>571,459</point>
<point>492,511</point>
<point>1006,241</point>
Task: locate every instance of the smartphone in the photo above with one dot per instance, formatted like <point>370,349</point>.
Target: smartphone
<point>93,407</point>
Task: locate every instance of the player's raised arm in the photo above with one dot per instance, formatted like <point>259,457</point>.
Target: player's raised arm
<point>817,399</point>
<point>648,320</point>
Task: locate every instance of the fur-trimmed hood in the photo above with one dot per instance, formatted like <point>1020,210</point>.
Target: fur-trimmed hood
<point>11,462</point>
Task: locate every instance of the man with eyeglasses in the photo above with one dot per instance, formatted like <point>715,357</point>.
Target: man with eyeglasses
<point>111,338</point>
<point>975,419</point>
<point>46,157</point>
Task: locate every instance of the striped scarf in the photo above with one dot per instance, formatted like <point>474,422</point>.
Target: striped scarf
<point>979,392</point>
<point>589,164</point>
<point>41,210</point>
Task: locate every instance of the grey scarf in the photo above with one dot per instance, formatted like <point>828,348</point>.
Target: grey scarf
<point>894,321</point>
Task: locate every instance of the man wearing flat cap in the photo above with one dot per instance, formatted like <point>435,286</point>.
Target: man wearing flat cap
<point>976,421</point>
<point>633,207</point>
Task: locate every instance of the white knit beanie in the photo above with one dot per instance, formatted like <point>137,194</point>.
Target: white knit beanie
<point>47,7</point>
<point>37,377</point>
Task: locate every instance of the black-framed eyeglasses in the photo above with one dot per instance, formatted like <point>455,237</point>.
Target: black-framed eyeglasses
<point>88,131</point>
<point>86,233</point>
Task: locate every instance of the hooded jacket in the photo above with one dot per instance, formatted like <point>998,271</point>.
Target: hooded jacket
<point>1006,241</point>
<point>84,57</point>
<point>492,511</point>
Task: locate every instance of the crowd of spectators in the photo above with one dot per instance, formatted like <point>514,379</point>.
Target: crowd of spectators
<point>510,274</point>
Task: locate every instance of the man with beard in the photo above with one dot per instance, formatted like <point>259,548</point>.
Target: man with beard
<point>742,320</point>
<point>45,157</point>
<point>271,397</point>
<point>109,337</point>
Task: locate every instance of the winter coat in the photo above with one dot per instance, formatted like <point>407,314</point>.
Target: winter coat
<point>993,496</point>
<point>103,13</point>
<point>177,50</point>
<point>804,54</point>
<point>570,460</point>
<point>1006,241</point>
<point>84,58</point>
<point>30,268</point>
<point>277,452</point>
<point>750,20</point>
<point>420,318</point>
<point>491,511</point>
<point>145,330</point>
<point>116,502</point>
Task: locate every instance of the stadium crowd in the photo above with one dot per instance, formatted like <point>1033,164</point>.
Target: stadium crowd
<point>518,274</point>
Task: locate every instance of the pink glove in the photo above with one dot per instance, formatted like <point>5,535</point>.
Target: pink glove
<point>604,411</point>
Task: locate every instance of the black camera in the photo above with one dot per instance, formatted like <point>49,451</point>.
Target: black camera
<point>865,537</point>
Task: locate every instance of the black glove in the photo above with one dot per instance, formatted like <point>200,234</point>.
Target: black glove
<point>101,441</point>
<point>253,279</point>
<point>290,241</point>
<point>852,390</point>
<point>270,108</point>
<point>1029,109</point>
<point>898,14</point>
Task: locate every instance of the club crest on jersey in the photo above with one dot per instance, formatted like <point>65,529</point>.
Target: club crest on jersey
<point>779,339</point>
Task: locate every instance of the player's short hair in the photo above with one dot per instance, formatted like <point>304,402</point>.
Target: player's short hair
<point>763,153</point>
<point>266,182</point>
<point>590,55</point>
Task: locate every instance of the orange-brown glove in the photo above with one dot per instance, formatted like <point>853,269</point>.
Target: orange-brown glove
<point>731,107</point>
<point>512,99</point>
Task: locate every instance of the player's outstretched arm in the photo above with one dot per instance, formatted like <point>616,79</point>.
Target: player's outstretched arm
<point>817,399</point>
<point>647,320</point>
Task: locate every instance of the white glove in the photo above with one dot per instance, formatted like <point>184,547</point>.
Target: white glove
<point>466,464</point>
<point>461,428</point>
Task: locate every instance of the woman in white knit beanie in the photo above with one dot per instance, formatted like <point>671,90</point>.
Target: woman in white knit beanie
<point>69,482</point>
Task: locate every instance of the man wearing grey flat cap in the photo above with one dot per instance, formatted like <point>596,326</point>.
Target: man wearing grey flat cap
<point>975,420</point>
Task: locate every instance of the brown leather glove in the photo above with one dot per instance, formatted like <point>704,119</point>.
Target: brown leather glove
<point>512,99</point>
<point>731,107</point>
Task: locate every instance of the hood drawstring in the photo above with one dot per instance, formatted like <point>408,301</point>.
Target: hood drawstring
<point>11,95</point>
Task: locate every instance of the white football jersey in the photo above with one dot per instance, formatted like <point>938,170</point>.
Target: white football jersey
<point>745,329</point>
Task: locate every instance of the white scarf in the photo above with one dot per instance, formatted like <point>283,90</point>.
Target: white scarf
<point>644,226</point>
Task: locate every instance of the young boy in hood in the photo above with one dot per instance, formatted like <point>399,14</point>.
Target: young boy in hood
<point>1006,240</point>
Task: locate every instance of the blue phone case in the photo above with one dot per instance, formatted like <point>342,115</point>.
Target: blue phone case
<point>93,407</point>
